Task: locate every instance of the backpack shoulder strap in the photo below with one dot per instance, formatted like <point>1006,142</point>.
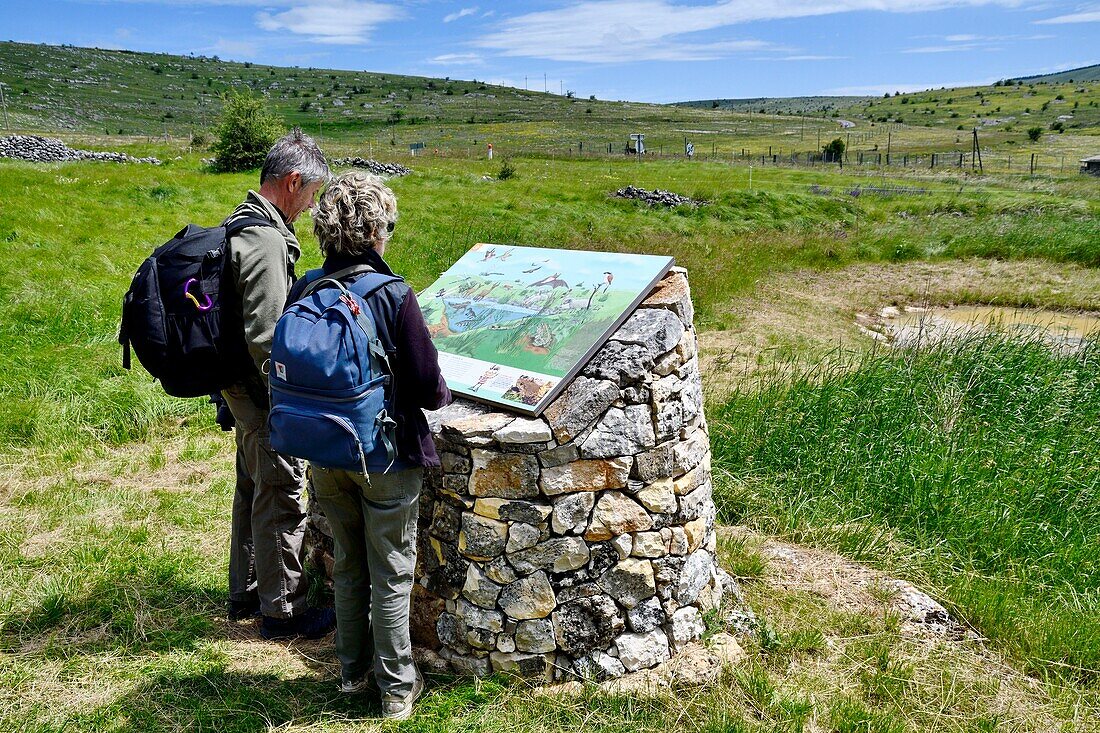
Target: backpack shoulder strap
<point>339,275</point>
<point>236,226</point>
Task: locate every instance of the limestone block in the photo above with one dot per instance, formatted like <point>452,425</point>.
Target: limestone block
<point>726,649</point>
<point>571,512</point>
<point>594,475</point>
<point>673,294</point>
<point>689,453</point>
<point>463,420</point>
<point>558,456</point>
<point>526,665</point>
<point>694,576</point>
<point>581,590</point>
<point>657,463</point>
<point>639,651</point>
<point>481,639</point>
<point>499,571</point>
<point>528,598</point>
<point>509,476</point>
<point>512,510</point>
<point>586,624</point>
<point>559,554</point>
<point>446,569</point>
<point>506,644</point>
<point>621,432</point>
<point>446,521</point>
<point>467,665</point>
<point>694,478</point>
<point>658,496</point>
<point>536,636</point>
<point>620,363</point>
<point>481,538</point>
<point>646,616</point>
<point>695,533</point>
<point>657,330</point>
<point>479,589</point>
<point>678,544</point>
<point>476,617</point>
<point>579,406</point>
<point>454,462</point>
<point>523,430</point>
<point>636,395</point>
<point>649,544</point>
<point>666,575</point>
<point>688,348</point>
<point>615,514</point>
<point>451,631</point>
<point>668,419</point>
<point>623,544</point>
<point>696,504</point>
<point>687,626</point>
<point>598,666</point>
<point>630,582</point>
<point>521,536</point>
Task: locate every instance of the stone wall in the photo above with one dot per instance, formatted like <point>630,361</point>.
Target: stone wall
<point>580,543</point>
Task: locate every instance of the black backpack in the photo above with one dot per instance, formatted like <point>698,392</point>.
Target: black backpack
<point>175,315</point>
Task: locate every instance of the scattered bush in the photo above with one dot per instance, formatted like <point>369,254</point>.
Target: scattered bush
<point>245,133</point>
<point>507,170</point>
<point>1033,133</point>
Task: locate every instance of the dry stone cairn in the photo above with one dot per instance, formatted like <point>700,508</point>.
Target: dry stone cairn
<point>389,170</point>
<point>656,197</point>
<point>580,543</point>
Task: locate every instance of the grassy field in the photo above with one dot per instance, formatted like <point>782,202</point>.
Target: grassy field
<point>971,469</point>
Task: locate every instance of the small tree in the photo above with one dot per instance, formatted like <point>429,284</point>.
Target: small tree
<point>245,133</point>
<point>834,151</point>
<point>1034,133</point>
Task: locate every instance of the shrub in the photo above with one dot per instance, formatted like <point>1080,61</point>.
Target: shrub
<point>834,151</point>
<point>507,170</point>
<point>245,133</point>
<point>1033,133</point>
<point>1058,126</point>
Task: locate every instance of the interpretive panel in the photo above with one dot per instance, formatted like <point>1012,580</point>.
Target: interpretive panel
<point>514,324</point>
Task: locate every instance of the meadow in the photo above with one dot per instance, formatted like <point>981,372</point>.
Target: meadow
<point>970,469</point>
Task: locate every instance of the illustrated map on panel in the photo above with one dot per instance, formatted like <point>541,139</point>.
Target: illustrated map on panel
<point>513,323</point>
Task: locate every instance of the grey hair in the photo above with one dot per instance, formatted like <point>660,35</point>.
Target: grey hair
<point>354,214</point>
<point>295,151</point>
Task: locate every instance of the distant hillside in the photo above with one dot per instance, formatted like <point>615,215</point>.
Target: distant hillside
<point>1084,73</point>
<point>125,92</point>
<point>777,105</point>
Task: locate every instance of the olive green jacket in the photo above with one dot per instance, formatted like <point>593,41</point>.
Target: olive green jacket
<point>262,260</point>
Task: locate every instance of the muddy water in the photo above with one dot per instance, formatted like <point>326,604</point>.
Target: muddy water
<point>915,326</point>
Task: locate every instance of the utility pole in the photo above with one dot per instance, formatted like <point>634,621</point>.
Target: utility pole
<point>4,102</point>
<point>544,87</point>
<point>889,140</point>
<point>561,88</point>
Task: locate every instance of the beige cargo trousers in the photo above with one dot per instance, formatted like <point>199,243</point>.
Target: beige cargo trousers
<point>269,517</point>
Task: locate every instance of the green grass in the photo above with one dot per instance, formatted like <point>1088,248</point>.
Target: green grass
<point>974,465</point>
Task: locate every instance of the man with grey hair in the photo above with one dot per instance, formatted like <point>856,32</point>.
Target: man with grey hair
<point>266,574</point>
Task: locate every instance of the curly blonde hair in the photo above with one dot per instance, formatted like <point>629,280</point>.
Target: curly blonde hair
<point>354,214</point>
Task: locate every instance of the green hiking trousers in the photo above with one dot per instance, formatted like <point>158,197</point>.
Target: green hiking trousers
<point>373,520</point>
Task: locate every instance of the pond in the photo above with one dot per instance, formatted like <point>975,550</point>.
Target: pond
<point>912,326</point>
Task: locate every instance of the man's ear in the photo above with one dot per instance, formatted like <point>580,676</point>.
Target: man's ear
<point>294,181</point>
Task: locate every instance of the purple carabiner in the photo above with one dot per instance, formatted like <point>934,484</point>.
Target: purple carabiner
<point>187,294</point>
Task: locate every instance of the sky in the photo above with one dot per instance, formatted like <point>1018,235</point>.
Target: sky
<point>640,50</point>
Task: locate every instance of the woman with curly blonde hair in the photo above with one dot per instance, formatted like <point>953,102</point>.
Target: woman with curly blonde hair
<point>373,516</point>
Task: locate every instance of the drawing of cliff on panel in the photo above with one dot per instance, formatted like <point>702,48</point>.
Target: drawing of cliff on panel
<point>536,311</point>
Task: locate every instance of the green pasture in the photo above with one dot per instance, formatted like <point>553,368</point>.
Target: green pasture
<point>972,469</point>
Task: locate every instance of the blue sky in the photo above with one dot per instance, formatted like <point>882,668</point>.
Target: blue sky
<point>645,50</point>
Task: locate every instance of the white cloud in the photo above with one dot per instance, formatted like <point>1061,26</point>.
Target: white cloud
<point>340,22</point>
<point>941,49</point>
<point>810,57</point>
<point>1088,16</point>
<point>459,14</point>
<point>640,30</point>
<point>234,48</point>
<point>457,59</point>
<point>961,38</point>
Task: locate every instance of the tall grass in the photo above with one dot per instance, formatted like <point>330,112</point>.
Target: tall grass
<point>975,465</point>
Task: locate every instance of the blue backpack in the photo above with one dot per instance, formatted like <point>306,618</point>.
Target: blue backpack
<point>331,383</point>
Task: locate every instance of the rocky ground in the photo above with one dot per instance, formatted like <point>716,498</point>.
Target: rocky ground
<point>656,197</point>
<point>51,150</point>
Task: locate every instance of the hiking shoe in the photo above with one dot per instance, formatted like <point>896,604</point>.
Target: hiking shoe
<point>359,684</point>
<point>313,623</point>
<point>240,610</point>
<point>397,708</point>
